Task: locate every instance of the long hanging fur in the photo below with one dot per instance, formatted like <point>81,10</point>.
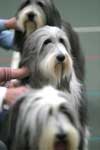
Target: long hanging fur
<point>43,119</point>
<point>41,53</point>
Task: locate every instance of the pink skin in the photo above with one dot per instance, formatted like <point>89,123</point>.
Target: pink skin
<point>7,74</point>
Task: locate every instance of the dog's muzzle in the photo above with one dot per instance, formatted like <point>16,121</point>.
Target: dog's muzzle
<point>31,16</point>
<point>60,58</point>
<point>61,142</point>
<point>63,64</point>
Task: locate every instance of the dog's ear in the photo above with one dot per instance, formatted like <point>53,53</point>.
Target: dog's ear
<point>19,45</point>
<point>54,18</point>
<point>8,124</point>
<point>76,51</point>
<point>12,119</point>
<point>25,2</point>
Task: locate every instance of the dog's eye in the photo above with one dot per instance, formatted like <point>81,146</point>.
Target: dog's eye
<point>65,111</point>
<point>47,41</point>
<point>40,4</point>
<point>62,41</point>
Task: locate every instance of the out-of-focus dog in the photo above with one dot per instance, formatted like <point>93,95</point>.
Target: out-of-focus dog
<point>34,14</point>
<point>44,119</point>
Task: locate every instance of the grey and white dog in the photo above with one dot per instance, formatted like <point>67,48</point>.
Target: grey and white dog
<point>33,14</point>
<point>47,54</point>
<point>44,119</point>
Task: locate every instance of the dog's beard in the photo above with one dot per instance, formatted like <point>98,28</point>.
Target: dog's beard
<point>56,71</point>
<point>49,140</point>
<point>28,25</point>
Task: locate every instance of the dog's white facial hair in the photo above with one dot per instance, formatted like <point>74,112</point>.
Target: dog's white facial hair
<point>52,68</point>
<point>29,26</point>
<point>48,137</point>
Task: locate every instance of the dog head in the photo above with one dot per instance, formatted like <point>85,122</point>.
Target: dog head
<point>30,16</point>
<point>47,53</point>
<point>33,14</point>
<point>46,120</point>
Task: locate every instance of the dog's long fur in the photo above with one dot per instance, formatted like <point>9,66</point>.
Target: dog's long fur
<point>34,14</point>
<point>41,53</point>
<point>44,119</point>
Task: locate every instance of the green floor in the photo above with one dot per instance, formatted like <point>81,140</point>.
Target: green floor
<point>80,14</point>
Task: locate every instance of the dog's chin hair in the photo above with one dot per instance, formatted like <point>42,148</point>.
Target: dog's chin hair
<point>25,25</point>
<point>30,26</point>
<point>54,70</point>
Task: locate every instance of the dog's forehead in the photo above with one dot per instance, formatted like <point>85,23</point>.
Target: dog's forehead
<point>55,34</point>
<point>44,33</point>
<point>49,31</point>
<point>52,96</point>
<point>50,99</point>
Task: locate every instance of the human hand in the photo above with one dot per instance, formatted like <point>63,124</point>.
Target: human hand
<point>11,23</point>
<point>13,93</point>
<point>12,83</point>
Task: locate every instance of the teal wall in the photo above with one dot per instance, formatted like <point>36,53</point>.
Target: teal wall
<point>80,13</point>
<point>7,9</point>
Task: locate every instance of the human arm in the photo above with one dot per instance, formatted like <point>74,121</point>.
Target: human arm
<point>6,35</point>
<point>6,24</point>
<point>7,74</point>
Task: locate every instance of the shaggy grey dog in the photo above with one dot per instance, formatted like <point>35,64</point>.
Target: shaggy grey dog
<point>33,14</point>
<point>44,119</point>
<point>47,54</point>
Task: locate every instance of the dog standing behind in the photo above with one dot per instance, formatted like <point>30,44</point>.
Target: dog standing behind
<point>33,14</point>
<point>43,119</point>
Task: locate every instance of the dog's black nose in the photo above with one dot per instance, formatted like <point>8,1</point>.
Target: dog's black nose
<point>61,136</point>
<point>60,58</point>
<point>31,16</point>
